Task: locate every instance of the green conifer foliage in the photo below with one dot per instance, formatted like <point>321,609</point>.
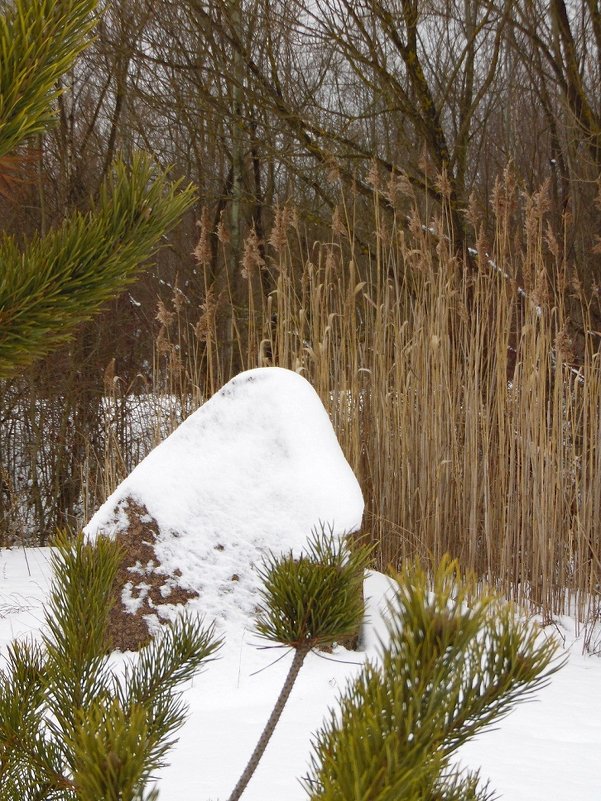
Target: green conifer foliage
<point>452,667</point>
<point>316,599</point>
<point>64,277</point>
<point>61,279</point>
<point>307,602</point>
<point>73,727</point>
<point>453,663</point>
<point>39,41</point>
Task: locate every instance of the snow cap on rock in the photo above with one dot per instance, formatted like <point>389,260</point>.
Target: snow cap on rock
<point>256,468</point>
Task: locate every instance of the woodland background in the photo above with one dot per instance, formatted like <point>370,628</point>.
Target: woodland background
<point>401,200</point>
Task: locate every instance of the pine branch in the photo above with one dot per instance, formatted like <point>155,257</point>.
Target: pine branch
<point>309,602</point>
<point>453,666</point>
<point>63,278</point>
<point>70,728</point>
<point>75,639</point>
<point>39,42</point>
<point>314,600</point>
<point>174,656</point>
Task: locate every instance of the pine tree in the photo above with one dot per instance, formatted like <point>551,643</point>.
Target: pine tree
<point>308,602</point>
<point>454,663</point>
<point>72,728</point>
<point>61,279</point>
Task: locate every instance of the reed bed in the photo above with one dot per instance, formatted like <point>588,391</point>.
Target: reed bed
<point>452,383</point>
<point>457,397</point>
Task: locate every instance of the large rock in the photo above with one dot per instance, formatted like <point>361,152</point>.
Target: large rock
<point>256,468</point>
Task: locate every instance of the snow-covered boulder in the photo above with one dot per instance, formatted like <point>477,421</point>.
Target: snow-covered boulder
<point>256,468</point>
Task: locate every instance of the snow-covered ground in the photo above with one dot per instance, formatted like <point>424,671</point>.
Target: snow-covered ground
<point>250,471</point>
<point>546,750</point>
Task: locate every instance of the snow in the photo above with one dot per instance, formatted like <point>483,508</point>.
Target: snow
<point>546,750</point>
<point>260,454</point>
<point>265,466</point>
<point>254,469</point>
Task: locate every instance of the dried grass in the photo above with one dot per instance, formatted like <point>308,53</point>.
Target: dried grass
<point>457,396</point>
<point>466,398</point>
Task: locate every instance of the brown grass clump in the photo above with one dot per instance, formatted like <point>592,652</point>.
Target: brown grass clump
<point>141,568</point>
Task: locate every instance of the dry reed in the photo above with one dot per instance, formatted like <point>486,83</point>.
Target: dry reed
<point>452,393</point>
<point>451,388</point>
